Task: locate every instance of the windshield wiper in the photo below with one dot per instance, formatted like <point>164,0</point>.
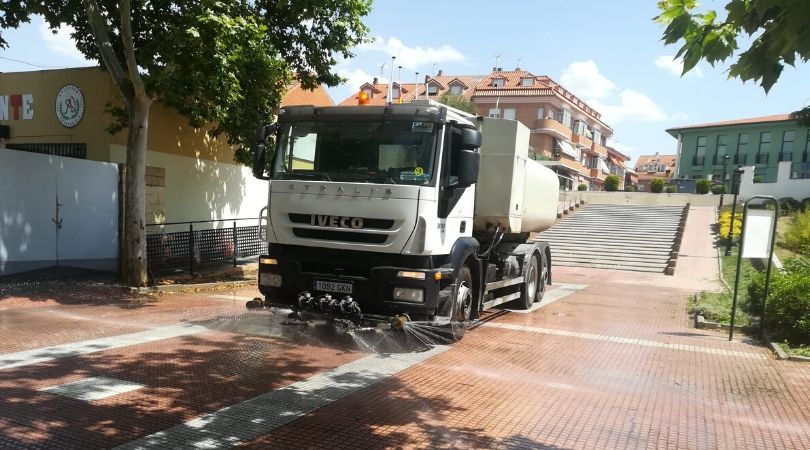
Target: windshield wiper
<point>369,177</point>
<point>312,174</point>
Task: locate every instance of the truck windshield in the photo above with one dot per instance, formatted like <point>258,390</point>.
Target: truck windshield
<point>395,152</point>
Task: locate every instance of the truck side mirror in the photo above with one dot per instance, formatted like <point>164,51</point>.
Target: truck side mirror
<point>468,162</point>
<point>260,150</point>
<point>470,139</point>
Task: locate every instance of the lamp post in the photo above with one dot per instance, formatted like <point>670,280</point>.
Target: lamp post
<point>735,189</point>
<point>723,180</point>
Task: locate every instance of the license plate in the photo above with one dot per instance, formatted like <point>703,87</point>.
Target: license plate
<point>333,286</point>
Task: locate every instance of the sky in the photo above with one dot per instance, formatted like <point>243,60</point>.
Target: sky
<point>608,53</point>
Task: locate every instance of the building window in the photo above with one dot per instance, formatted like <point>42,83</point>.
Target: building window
<point>764,147</point>
<point>721,149</point>
<point>800,171</point>
<point>78,151</point>
<point>742,148</point>
<point>540,115</point>
<point>566,118</point>
<point>700,153</point>
<point>498,82</point>
<point>455,89</point>
<point>495,113</point>
<point>761,173</point>
<point>787,146</point>
<point>580,127</point>
<point>433,89</point>
<point>509,113</point>
<point>597,137</point>
<point>527,81</point>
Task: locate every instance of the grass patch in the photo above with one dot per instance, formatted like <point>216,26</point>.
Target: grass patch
<point>716,306</point>
<point>781,228</point>
<point>799,350</point>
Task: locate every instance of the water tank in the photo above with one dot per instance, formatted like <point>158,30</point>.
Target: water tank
<point>515,193</point>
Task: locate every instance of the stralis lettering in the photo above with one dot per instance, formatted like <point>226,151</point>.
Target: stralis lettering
<point>336,221</point>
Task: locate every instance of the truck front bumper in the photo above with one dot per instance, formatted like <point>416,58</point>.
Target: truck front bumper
<point>386,290</point>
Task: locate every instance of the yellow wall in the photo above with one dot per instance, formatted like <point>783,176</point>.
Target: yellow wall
<point>168,131</point>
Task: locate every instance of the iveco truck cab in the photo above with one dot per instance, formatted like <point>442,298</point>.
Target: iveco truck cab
<point>387,214</point>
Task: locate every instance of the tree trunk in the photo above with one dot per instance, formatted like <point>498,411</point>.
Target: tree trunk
<point>133,260</point>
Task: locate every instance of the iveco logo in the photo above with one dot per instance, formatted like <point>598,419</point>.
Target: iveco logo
<point>336,221</point>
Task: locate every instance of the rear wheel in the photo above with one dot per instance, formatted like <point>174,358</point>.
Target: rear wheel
<point>528,291</point>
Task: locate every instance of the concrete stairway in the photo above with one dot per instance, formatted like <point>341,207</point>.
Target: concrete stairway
<point>619,237</point>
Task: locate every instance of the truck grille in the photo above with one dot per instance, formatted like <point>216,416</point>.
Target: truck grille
<point>343,236</point>
<point>371,224</point>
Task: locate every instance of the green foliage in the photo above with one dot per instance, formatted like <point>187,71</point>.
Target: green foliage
<point>806,204</point>
<point>582,187</point>
<point>789,205</point>
<point>221,63</point>
<point>797,234</point>
<point>671,189</point>
<point>778,29</point>
<point>629,188</point>
<point>702,186</point>
<point>657,185</point>
<point>788,309</point>
<point>759,179</point>
<point>718,189</point>
<point>458,102</point>
<point>612,183</point>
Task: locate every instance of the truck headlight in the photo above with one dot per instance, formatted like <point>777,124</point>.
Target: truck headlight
<point>412,295</point>
<point>270,279</point>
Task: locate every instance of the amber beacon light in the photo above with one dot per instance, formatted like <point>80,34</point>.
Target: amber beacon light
<point>362,98</point>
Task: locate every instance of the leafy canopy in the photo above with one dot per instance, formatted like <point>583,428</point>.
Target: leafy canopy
<point>458,102</point>
<point>222,62</point>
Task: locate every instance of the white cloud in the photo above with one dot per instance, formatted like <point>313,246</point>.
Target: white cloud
<point>615,104</point>
<point>674,66</point>
<point>61,42</point>
<point>585,81</point>
<point>356,77</point>
<point>412,58</point>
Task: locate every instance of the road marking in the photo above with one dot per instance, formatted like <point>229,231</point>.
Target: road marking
<point>245,421</point>
<point>39,355</point>
<point>625,340</point>
<point>93,388</point>
<point>561,291</point>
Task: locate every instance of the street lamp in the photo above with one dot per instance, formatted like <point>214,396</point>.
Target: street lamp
<point>723,180</point>
<point>735,189</point>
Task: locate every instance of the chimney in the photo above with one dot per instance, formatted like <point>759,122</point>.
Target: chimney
<point>375,81</point>
<point>427,78</point>
<point>440,73</point>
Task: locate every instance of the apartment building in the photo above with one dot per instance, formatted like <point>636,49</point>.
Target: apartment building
<point>710,149</point>
<point>651,167</point>
<point>567,135</point>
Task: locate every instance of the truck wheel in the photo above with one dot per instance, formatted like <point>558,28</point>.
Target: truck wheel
<point>461,307</point>
<point>541,286</point>
<point>528,292</point>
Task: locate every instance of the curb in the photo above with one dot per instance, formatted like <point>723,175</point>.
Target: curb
<point>780,354</point>
<point>701,322</point>
<point>171,288</point>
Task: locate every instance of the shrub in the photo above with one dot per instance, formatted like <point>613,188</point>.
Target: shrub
<point>612,183</point>
<point>724,221</point>
<point>629,188</point>
<point>806,204</point>
<point>797,235</point>
<point>759,179</point>
<point>718,189</point>
<point>788,205</point>
<point>582,187</point>
<point>703,186</point>
<point>657,185</point>
<point>671,189</point>
<point>788,309</point>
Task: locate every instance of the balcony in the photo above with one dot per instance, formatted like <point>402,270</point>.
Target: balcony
<point>553,128</point>
<point>596,173</point>
<point>574,165</point>
<point>582,142</point>
<point>740,159</point>
<point>601,149</point>
<point>785,156</point>
<point>762,158</point>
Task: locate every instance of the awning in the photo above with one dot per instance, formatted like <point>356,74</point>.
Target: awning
<point>567,148</point>
<point>615,161</point>
<point>603,166</point>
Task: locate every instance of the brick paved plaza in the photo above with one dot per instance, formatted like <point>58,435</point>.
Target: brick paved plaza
<point>614,363</point>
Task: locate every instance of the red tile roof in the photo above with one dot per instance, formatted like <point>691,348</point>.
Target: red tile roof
<point>668,160</point>
<point>296,95</point>
<point>763,119</point>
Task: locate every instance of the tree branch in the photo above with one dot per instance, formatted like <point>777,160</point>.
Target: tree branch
<point>99,27</point>
<point>129,48</point>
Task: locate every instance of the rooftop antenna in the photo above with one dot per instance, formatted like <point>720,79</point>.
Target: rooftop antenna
<point>416,86</point>
<point>433,71</point>
<point>399,82</point>
<point>497,60</point>
<point>518,63</point>
<point>390,81</point>
<point>382,67</point>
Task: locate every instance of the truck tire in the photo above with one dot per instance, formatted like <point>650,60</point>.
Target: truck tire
<point>530,287</point>
<point>461,308</point>
<point>541,286</point>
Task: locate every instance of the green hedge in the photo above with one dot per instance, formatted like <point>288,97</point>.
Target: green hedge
<point>657,185</point>
<point>703,186</point>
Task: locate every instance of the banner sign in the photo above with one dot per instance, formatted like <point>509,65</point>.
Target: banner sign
<point>756,241</point>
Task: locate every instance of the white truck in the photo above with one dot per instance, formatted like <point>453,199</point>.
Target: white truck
<point>409,212</point>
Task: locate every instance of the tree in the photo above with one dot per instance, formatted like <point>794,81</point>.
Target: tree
<point>612,183</point>
<point>220,63</point>
<point>458,102</point>
<point>657,185</point>
<point>780,27</point>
